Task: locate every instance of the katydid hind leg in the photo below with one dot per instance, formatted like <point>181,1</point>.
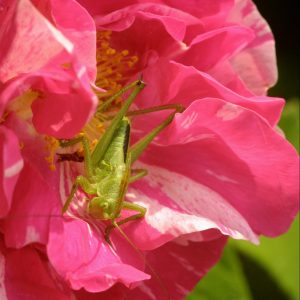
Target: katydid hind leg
<point>129,206</point>
<point>142,211</point>
<point>101,108</point>
<point>70,197</point>
<point>137,174</point>
<point>174,106</point>
<point>137,149</point>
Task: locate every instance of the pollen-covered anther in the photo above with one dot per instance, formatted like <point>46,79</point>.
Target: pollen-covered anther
<point>94,143</point>
<point>101,128</point>
<point>114,66</point>
<point>52,144</point>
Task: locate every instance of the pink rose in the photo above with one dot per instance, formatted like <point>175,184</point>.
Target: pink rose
<point>220,169</point>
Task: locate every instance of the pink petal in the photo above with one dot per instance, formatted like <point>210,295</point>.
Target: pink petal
<point>11,164</point>
<point>42,59</point>
<point>65,103</point>
<point>177,205</point>
<point>105,7</point>
<point>31,41</point>
<point>257,63</point>
<point>27,276</point>
<point>134,27</point>
<point>29,217</point>
<point>82,257</point>
<point>211,13</point>
<point>179,266</point>
<point>36,195</point>
<point>225,74</point>
<point>258,174</point>
<point>79,30</point>
<point>117,292</point>
<point>208,49</point>
<point>63,115</point>
<point>174,21</point>
<point>170,82</point>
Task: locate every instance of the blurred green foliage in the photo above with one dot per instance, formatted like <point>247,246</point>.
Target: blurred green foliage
<point>289,122</point>
<point>268,271</point>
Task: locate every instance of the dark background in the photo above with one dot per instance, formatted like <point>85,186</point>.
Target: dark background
<point>283,18</point>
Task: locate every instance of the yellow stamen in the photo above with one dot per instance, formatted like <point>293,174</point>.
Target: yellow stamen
<point>114,68</point>
<point>52,144</point>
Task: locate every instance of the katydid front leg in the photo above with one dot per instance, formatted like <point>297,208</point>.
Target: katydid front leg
<point>86,148</point>
<point>80,180</point>
<point>137,149</point>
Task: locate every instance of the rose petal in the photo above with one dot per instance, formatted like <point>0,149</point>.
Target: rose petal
<point>80,31</point>
<point>220,44</point>
<point>63,104</point>
<point>170,82</point>
<point>31,39</point>
<point>27,276</point>
<point>36,195</point>
<point>82,257</point>
<point>177,205</point>
<point>117,292</point>
<point>179,266</point>
<point>11,164</point>
<point>258,170</point>
<point>261,52</point>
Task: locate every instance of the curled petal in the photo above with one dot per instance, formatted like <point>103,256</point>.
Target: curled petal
<point>80,31</point>
<point>171,82</point>
<point>83,258</point>
<point>261,52</point>
<point>221,44</point>
<point>64,101</point>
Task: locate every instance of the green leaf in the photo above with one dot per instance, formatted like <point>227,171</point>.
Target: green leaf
<point>226,281</point>
<point>279,257</point>
<point>289,122</point>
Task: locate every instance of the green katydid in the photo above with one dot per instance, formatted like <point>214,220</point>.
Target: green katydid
<point>108,166</point>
